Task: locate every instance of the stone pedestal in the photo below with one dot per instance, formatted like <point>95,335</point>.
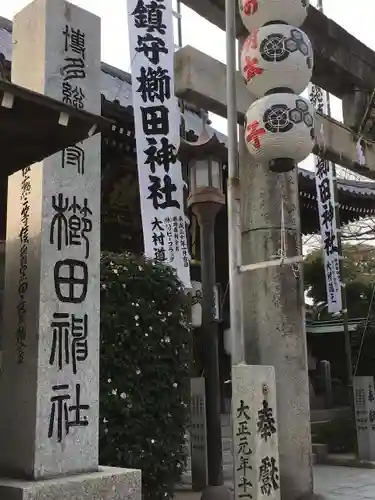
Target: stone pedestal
<point>274,327</point>
<point>49,383</point>
<point>106,484</point>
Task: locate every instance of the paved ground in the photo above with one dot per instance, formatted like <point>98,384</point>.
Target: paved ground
<point>333,483</point>
<point>344,483</point>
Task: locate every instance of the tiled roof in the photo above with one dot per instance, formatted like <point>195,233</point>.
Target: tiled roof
<point>115,84</point>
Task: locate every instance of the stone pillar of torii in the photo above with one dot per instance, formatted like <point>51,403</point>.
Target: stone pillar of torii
<point>279,132</point>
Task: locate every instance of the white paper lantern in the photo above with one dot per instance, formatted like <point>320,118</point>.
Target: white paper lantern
<point>257,13</point>
<point>280,130</point>
<point>277,56</point>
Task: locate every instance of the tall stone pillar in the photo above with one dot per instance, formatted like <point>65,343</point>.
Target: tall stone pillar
<point>274,326</point>
<point>49,385</point>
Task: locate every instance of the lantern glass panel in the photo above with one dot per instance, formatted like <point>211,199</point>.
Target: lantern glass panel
<point>216,174</point>
<point>201,173</point>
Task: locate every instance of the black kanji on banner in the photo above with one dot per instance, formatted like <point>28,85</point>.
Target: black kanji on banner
<point>322,168</point>
<point>162,156</point>
<point>155,120</point>
<point>149,16</point>
<point>330,245</point>
<point>152,47</point>
<point>154,84</point>
<point>157,225</point>
<point>161,194</point>
<point>325,190</point>
<point>327,214</point>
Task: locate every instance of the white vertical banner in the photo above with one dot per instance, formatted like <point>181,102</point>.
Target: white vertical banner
<point>196,306</point>
<point>157,130</point>
<point>325,191</point>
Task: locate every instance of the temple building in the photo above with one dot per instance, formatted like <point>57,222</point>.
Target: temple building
<point>121,218</point>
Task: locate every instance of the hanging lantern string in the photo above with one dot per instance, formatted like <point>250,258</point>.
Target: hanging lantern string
<point>283,234</point>
<point>281,253</point>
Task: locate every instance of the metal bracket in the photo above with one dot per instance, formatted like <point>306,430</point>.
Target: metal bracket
<point>270,263</point>
<point>7,100</point>
<point>64,119</point>
<point>283,260</point>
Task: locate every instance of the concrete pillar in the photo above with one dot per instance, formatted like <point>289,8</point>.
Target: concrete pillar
<point>274,326</point>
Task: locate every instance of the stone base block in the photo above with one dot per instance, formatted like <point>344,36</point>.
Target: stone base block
<point>106,484</point>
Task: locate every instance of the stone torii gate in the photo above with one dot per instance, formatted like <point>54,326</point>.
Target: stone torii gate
<point>273,304</point>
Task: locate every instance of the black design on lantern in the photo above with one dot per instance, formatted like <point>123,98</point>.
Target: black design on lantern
<point>277,118</point>
<point>273,49</point>
<point>297,37</point>
<point>297,42</point>
<point>308,119</point>
<point>295,116</point>
<point>301,113</point>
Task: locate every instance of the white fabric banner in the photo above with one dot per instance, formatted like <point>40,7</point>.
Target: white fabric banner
<point>157,130</point>
<point>325,190</point>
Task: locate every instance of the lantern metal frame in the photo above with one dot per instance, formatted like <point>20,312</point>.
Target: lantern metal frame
<point>206,149</point>
<point>206,199</point>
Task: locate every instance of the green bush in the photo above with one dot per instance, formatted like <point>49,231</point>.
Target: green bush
<point>145,356</point>
<point>340,435</point>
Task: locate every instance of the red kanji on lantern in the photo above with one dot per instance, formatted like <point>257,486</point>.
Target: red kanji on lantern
<point>251,69</point>
<point>250,7</point>
<point>254,132</point>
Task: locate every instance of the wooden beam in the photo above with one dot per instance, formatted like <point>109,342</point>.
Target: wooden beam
<point>195,73</point>
<point>342,63</point>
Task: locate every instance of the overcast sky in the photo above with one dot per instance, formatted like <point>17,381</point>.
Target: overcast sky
<point>356,16</point>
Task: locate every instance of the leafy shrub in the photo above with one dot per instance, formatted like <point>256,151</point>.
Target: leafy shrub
<point>340,435</point>
<point>145,356</point>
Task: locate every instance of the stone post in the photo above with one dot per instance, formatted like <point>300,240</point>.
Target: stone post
<point>255,433</point>
<point>364,403</point>
<point>326,378</point>
<point>49,385</point>
<point>198,434</point>
<point>274,327</point>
